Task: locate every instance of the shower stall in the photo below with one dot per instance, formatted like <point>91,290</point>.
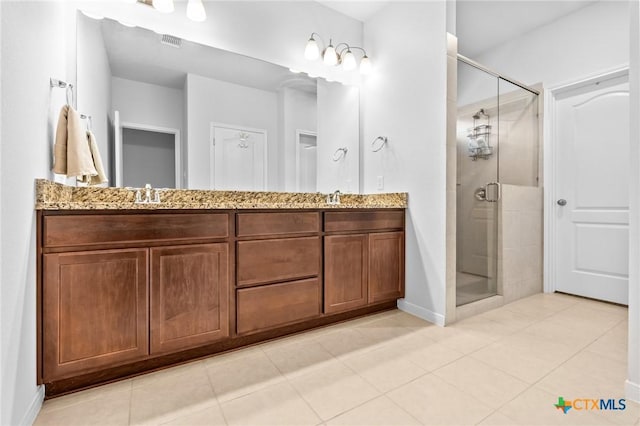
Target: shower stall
<point>498,193</point>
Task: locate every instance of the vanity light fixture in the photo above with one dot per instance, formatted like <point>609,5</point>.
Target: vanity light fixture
<point>340,54</point>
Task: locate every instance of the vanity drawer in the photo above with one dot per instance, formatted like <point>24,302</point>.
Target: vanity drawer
<point>272,305</point>
<point>363,221</point>
<point>265,261</point>
<point>83,230</point>
<point>264,224</point>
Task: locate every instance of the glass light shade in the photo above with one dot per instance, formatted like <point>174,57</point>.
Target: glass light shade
<point>195,11</point>
<point>164,6</point>
<point>365,65</point>
<point>312,51</point>
<point>330,56</point>
<point>130,1</point>
<point>349,61</point>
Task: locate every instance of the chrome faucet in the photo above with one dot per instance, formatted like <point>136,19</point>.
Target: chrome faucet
<point>333,198</point>
<point>148,198</point>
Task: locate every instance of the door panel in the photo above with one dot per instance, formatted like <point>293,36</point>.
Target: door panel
<point>95,310</point>
<point>386,266</point>
<point>345,274</point>
<point>593,173</point>
<point>239,159</point>
<point>189,296</point>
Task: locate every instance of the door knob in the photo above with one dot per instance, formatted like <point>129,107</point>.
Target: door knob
<point>562,202</point>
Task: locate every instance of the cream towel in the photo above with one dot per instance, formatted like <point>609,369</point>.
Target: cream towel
<point>72,155</point>
<point>101,177</point>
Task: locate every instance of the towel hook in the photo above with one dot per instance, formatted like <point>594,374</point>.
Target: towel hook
<point>339,154</point>
<point>89,122</point>
<point>379,138</point>
<point>70,94</point>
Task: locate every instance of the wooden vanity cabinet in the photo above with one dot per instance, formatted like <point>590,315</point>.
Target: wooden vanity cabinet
<point>124,292</point>
<point>131,296</point>
<point>364,258</point>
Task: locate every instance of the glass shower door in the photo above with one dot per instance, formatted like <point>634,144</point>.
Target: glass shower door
<point>477,190</point>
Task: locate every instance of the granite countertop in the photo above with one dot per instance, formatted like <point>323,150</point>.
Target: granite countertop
<point>55,196</point>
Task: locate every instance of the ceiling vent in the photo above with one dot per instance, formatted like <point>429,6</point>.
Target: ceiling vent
<point>170,40</point>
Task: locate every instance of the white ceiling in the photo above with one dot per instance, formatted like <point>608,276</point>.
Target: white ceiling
<point>481,24</point>
<point>357,9</point>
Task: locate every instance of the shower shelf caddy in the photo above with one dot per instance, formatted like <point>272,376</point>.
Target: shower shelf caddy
<point>480,132</point>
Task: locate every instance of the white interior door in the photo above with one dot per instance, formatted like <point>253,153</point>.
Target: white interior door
<point>239,158</point>
<point>592,200</point>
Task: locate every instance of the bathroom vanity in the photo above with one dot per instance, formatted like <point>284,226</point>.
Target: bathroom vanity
<point>127,287</point>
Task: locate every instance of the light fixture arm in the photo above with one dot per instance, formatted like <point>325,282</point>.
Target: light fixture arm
<point>348,47</point>
<point>319,36</point>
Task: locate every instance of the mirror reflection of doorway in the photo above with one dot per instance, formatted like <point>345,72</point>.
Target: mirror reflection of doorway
<point>146,154</point>
<point>306,161</point>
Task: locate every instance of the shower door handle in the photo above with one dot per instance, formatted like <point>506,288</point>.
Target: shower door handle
<point>492,192</point>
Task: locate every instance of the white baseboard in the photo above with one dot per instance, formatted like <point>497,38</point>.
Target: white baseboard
<point>632,391</point>
<point>420,312</point>
<point>34,408</point>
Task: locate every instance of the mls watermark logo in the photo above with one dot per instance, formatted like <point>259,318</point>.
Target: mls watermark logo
<point>597,404</point>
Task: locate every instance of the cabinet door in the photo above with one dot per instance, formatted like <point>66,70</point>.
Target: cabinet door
<point>345,272</point>
<point>386,266</point>
<point>189,296</point>
<point>95,310</point>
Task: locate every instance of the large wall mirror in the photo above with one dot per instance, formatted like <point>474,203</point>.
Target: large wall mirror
<point>178,114</point>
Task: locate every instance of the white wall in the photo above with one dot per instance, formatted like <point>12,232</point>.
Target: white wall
<point>591,40</point>
<point>297,110</point>
<point>633,377</point>
<point>1,237</point>
<point>405,100</point>
<point>93,88</point>
<point>215,101</point>
<point>149,104</point>
<point>35,38</point>
<point>338,127</point>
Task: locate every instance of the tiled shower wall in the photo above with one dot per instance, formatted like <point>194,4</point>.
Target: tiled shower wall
<point>520,242</point>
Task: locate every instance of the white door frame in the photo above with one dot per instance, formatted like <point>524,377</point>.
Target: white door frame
<point>300,132</point>
<point>550,169</point>
<point>212,149</point>
<point>149,128</point>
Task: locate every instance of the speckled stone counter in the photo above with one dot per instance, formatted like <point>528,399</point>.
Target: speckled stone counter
<point>54,196</point>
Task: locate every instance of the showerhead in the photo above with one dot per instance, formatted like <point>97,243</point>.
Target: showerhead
<point>477,115</point>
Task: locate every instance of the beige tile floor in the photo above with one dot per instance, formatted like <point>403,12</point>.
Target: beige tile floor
<point>505,367</point>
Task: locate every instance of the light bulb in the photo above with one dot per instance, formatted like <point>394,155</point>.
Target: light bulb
<point>195,11</point>
<point>349,61</point>
<point>312,51</point>
<point>164,6</point>
<point>330,56</point>
<point>365,65</point>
